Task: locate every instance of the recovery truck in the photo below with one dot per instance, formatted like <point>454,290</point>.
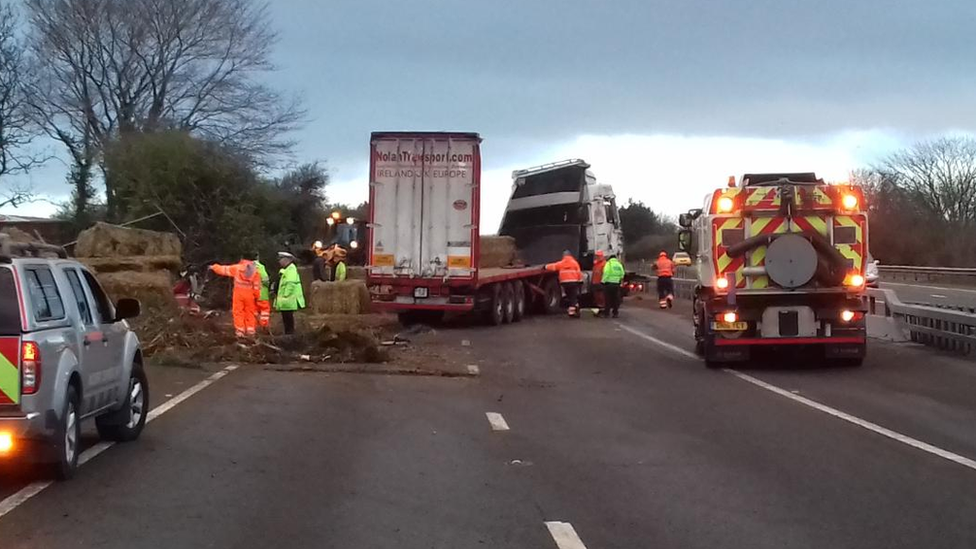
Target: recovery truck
<point>780,261</point>
<point>424,229</point>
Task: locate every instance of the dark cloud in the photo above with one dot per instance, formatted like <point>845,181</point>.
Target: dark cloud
<point>527,73</point>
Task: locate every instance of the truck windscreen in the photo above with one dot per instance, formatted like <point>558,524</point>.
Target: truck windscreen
<point>9,304</point>
<point>564,180</point>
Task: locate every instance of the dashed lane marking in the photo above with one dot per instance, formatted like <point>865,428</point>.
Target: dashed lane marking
<point>497,422</point>
<point>473,369</point>
<point>18,498</point>
<point>863,423</point>
<point>564,535</point>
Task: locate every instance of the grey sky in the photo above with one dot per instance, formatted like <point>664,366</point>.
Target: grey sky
<point>532,75</point>
<point>527,73</point>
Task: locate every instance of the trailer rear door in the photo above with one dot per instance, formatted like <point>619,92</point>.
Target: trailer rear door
<point>424,205</point>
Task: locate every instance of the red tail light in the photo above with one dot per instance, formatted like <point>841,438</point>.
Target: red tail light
<point>30,368</point>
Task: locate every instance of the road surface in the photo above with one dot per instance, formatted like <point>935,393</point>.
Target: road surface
<point>575,434</point>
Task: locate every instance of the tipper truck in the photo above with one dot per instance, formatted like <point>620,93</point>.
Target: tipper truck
<point>780,261</point>
<point>424,238</point>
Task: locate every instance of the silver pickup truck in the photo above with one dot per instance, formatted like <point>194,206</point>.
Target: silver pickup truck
<point>66,354</point>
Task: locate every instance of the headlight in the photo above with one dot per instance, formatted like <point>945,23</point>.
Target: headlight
<point>354,244</point>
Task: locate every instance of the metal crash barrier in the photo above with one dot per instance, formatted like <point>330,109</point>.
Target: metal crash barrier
<point>950,329</point>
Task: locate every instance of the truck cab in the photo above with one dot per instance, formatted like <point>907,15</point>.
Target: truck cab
<point>561,206</point>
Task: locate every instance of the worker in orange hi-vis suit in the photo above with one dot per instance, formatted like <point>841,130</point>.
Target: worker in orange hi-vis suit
<point>247,291</point>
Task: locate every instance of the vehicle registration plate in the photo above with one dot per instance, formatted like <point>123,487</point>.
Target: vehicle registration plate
<point>731,326</point>
<point>420,293</point>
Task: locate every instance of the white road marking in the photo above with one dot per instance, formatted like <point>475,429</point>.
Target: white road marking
<point>928,287</point>
<point>939,296</point>
<point>16,499</point>
<point>873,427</point>
<point>564,535</point>
<point>665,344</point>
<point>863,423</point>
<point>169,404</point>
<point>473,369</point>
<point>497,422</point>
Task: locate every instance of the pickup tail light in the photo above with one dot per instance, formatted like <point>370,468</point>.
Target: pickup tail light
<point>30,368</point>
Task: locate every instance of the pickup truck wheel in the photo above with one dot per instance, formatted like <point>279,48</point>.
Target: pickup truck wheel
<point>496,311</point>
<point>552,302</point>
<point>68,441</point>
<point>519,301</point>
<point>126,424</point>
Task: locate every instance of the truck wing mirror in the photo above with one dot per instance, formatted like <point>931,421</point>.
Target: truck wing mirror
<point>684,240</point>
<point>686,219</point>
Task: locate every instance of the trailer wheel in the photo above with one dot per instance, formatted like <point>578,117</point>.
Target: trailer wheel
<point>552,302</point>
<point>519,301</point>
<point>508,301</point>
<point>496,312</point>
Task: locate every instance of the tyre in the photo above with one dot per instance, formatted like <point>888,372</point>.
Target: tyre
<point>519,301</point>
<point>552,302</point>
<point>496,310</point>
<point>126,424</point>
<point>508,302</point>
<point>68,439</point>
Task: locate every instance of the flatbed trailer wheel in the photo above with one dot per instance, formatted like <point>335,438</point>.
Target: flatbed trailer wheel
<point>508,301</point>
<point>495,314</point>
<point>519,290</point>
<point>552,302</point>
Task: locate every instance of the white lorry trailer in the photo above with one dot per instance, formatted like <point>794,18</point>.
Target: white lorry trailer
<point>424,229</point>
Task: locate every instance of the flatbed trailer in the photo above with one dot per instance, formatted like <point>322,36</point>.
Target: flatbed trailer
<point>424,235</point>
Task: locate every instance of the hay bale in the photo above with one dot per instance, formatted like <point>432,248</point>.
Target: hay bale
<point>355,272</point>
<point>104,240</point>
<point>497,251</point>
<point>339,298</point>
<point>139,264</point>
<point>17,235</point>
<point>154,290</point>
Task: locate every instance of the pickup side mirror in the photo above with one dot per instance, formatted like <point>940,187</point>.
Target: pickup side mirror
<point>127,308</point>
<point>684,240</point>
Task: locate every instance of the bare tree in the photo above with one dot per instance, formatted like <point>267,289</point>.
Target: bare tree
<point>16,129</point>
<point>939,175</point>
<point>117,66</point>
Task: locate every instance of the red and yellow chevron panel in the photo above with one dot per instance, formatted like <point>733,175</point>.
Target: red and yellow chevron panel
<point>762,198</point>
<point>723,262</point>
<point>855,252</point>
<point>9,370</point>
